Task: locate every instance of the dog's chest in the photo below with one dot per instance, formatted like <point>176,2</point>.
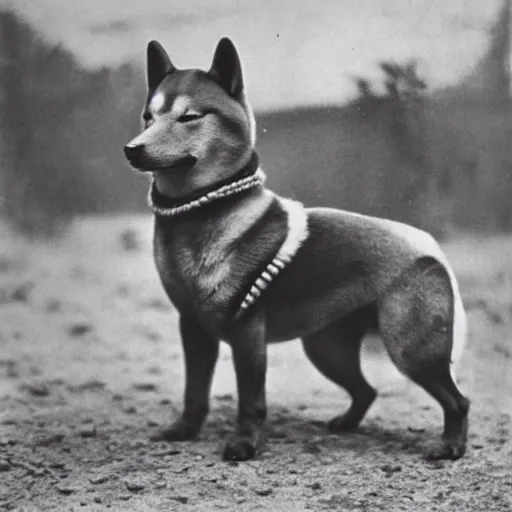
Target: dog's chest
<point>200,262</point>
<point>194,271</point>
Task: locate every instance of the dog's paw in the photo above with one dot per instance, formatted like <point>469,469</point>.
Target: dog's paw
<point>355,414</point>
<point>451,450</point>
<point>242,448</point>
<point>343,423</point>
<point>179,431</point>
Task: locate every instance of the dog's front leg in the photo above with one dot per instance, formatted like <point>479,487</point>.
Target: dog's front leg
<point>200,351</point>
<point>250,359</point>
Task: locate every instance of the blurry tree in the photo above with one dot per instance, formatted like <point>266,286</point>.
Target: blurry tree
<point>407,186</point>
<point>58,126</point>
<point>435,160</point>
<point>469,132</point>
<point>439,159</point>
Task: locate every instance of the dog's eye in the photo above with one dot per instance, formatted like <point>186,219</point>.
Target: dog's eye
<point>147,117</point>
<point>189,116</point>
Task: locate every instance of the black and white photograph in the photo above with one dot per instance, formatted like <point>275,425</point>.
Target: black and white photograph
<point>256,255</point>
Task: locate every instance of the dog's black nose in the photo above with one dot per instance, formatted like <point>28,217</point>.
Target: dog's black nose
<point>133,153</point>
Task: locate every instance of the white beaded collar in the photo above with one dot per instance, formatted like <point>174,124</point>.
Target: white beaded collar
<point>235,187</point>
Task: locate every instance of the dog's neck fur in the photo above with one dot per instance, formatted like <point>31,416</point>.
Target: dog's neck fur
<point>247,177</point>
<point>229,280</point>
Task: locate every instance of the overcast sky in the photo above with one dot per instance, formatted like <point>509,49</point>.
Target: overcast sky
<point>293,51</point>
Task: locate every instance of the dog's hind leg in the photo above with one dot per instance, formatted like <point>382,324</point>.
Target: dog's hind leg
<point>335,351</point>
<point>417,321</point>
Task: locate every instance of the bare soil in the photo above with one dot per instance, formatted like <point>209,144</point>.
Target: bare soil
<point>91,365</point>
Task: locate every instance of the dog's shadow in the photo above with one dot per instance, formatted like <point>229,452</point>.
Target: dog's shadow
<point>292,433</point>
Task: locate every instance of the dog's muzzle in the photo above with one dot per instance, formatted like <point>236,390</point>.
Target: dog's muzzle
<point>138,158</point>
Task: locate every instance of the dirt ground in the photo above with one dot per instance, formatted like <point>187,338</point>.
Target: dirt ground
<point>91,365</point>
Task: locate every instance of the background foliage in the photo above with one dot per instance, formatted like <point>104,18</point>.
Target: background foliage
<point>439,160</point>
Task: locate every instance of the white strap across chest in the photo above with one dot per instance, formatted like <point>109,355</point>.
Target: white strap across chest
<point>295,237</point>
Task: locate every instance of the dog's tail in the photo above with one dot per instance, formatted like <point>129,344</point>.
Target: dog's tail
<point>459,329</point>
<point>459,326</point>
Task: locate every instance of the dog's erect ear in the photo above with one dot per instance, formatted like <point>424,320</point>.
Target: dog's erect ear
<point>226,68</point>
<point>158,64</point>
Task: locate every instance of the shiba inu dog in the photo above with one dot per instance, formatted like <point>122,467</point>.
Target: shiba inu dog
<point>248,267</point>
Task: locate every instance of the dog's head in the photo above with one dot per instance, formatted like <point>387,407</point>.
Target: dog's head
<point>198,128</point>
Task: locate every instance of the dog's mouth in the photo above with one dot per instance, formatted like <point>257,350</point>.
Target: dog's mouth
<point>181,164</point>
